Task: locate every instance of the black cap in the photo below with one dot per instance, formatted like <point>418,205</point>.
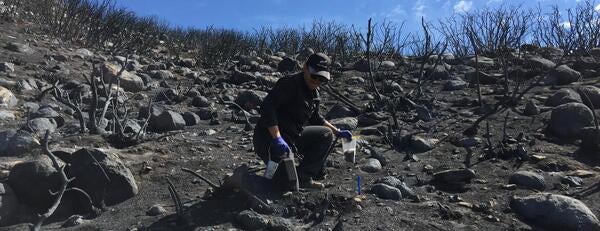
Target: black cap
<point>318,64</point>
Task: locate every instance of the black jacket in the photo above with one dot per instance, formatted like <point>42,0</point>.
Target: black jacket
<point>290,105</point>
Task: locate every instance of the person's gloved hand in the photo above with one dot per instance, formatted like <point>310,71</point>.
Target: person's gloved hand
<point>279,147</point>
<point>344,134</point>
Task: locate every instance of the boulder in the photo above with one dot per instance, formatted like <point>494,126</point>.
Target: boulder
<point>531,108</point>
<point>288,65</point>
<point>385,191</point>
<point>39,126</point>
<point>567,120</point>
<point>191,118</point>
<point>161,74</point>
<point>483,61</point>
<point>554,212</point>
<point>167,121</point>
<point>484,78</point>
<point>552,53</point>
<point>127,80</point>
<point>396,183</point>
<point>83,53</point>
<point>388,65</point>
<point>187,62</point>
<point>7,67</point>
<point>250,99</point>
<point>16,143</point>
<point>438,73</point>
<point>339,111</point>
<point>590,138</point>
<point>90,176</point>
<point>19,48</point>
<point>346,123</point>
<point>528,179</point>
<point>201,101</point>
<point>238,77</point>
<point>419,144</point>
<point>156,210</point>
<point>563,96</point>
<point>372,165</point>
<point>454,176</point>
<point>9,205</point>
<point>250,220</point>
<point>7,98</point>
<point>539,63</point>
<point>455,85</point>
<point>391,86</point>
<point>563,75</point>
<point>590,96</point>
<point>33,180</point>
<point>6,115</point>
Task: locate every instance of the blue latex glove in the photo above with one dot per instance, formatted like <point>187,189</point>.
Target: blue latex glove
<point>344,134</point>
<point>279,148</point>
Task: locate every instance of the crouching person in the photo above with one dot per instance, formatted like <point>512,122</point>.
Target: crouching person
<point>291,123</point>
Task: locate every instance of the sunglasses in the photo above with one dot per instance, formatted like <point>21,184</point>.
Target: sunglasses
<point>321,79</point>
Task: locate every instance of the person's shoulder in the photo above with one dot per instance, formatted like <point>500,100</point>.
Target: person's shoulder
<point>291,78</point>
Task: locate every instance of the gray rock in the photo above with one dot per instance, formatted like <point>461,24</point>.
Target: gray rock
<point>9,205</point>
<point>73,221</point>
<point>132,126</point>
<point>281,224</point>
<point>552,53</point>
<point>454,176</point>
<point>363,66</point>
<point>572,181</point>
<point>127,80</point>
<point>531,108</point>
<point>161,74</point>
<point>13,143</point>
<point>563,96</point>
<point>438,73</point>
<point>156,210</point>
<point>391,86</point>
<point>89,176</point>
<point>372,165</point>
<point>567,120</point>
<point>201,101</point>
<point>483,61</point>
<point>423,113</point>
<point>168,121</point>
<point>191,118</point>
<point>250,99</point>
<point>84,53</point>
<point>554,212</point>
<point>484,78</point>
<point>528,179</point>
<point>469,142</point>
<point>339,111</point>
<point>396,183</point>
<point>250,220</point>
<point>347,123</point>
<point>388,65</point>
<point>206,113</point>
<point>455,85</point>
<point>385,191</point>
<point>238,77</point>
<point>7,98</point>
<point>539,63</point>
<point>41,125</point>
<point>19,47</point>
<point>590,96</point>
<point>7,67</point>
<point>187,62</point>
<point>33,180</point>
<point>419,144</point>
<point>590,138</point>
<point>563,75</point>
<point>288,65</point>
<point>6,115</point>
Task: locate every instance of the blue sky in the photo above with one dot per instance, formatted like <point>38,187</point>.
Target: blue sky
<point>249,14</point>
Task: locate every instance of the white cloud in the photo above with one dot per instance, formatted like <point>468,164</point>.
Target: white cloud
<point>398,11</point>
<point>597,8</point>
<point>566,25</point>
<point>490,2</point>
<point>419,8</point>
<point>463,6</point>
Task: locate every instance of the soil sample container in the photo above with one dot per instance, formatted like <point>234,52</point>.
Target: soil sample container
<point>349,149</point>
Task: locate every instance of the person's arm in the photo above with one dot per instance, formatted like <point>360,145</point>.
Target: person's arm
<point>331,126</point>
<point>278,95</point>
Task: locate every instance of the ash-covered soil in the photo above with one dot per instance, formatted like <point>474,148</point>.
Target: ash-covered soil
<point>428,139</point>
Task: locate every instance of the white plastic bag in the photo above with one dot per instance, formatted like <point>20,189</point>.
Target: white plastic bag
<point>349,149</point>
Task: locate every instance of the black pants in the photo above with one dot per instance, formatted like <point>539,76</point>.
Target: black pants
<point>310,148</point>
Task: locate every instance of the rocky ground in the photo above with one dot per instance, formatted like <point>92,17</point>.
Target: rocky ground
<point>533,166</point>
